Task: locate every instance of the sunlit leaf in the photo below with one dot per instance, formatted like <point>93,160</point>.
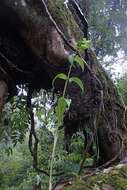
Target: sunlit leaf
<point>84,44</point>
<point>60,109</point>
<point>96,187</point>
<point>68,101</point>
<point>80,62</point>
<point>60,76</point>
<point>71,58</point>
<point>78,82</point>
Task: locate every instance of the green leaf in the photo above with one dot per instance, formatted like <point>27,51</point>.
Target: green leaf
<point>40,113</point>
<point>78,82</point>
<point>71,58</point>
<point>60,76</point>
<point>60,109</point>
<point>96,187</point>
<point>84,44</point>
<point>79,61</point>
<point>68,101</point>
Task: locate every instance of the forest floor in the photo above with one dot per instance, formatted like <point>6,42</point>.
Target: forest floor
<point>112,178</point>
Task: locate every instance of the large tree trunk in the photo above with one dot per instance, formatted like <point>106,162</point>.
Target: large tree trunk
<point>99,110</point>
<point>32,52</point>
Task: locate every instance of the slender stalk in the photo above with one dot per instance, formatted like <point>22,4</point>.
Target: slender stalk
<point>66,83</point>
<point>52,159</point>
<point>56,133</point>
<point>82,164</point>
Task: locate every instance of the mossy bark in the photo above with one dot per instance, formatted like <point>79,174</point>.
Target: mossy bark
<point>99,110</point>
<point>116,179</point>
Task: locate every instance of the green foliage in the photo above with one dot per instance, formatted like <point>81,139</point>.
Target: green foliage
<point>108,27</point>
<point>77,81</point>
<point>60,76</point>
<point>16,169</point>
<point>17,173</point>
<point>122,87</point>
<point>62,106</point>
<point>15,119</point>
<point>83,44</point>
<point>62,103</point>
<point>80,62</point>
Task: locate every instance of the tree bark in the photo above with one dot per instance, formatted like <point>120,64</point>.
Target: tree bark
<point>3,93</point>
<point>34,52</point>
<point>36,187</point>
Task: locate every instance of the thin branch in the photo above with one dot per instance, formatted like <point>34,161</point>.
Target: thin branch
<point>3,71</point>
<point>11,64</point>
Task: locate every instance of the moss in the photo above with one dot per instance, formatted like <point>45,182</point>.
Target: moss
<point>116,178</point>
<point>64,18</point>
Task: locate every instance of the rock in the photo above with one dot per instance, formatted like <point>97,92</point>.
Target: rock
<point>107,187</point>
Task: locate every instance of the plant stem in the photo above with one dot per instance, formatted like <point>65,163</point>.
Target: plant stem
<point>66,83</point>
<point>52,159</point>
<point>56,133</point>
<point>82,164</point>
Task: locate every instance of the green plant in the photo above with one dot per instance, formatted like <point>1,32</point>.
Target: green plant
<point>122,87</point>
<point>63,103</point>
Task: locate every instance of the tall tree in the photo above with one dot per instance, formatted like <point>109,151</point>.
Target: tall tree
<point>108,26</point>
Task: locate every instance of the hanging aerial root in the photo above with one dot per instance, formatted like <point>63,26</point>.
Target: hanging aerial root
<point>33,139</point>
<point>33,146</point>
